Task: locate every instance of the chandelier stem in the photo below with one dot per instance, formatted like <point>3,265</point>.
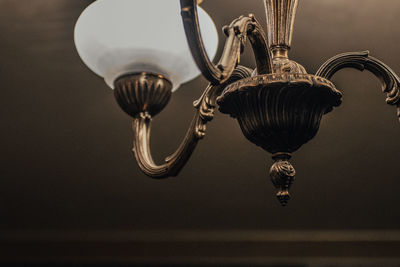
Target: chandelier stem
<point>280,21</point>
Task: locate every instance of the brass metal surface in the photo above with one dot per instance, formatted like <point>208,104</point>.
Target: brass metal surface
<point>363,61</point>
<point>142,92</point>
<point>279,106</point>
<point>143,96</point>
<point>280,22</point>
<point>280,112</point>
<point>70,185</point>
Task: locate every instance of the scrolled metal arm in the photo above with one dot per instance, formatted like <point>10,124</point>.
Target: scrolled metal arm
<point>361,60</point>
<point>205,106</point>
<point>237,32</point>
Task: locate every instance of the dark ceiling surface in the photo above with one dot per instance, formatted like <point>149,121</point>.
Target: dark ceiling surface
<point>66,161</point>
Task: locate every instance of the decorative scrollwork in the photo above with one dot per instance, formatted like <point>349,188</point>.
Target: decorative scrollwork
<point>362,60</point>
<point>237,32</point>
<point>205,106</point>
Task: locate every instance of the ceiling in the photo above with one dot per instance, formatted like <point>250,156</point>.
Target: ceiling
<point>66,161</point>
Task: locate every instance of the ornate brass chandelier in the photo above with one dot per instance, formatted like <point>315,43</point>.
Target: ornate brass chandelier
<point>278,105</point>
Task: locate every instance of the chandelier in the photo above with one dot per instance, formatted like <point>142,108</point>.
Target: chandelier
<point>278,105</point>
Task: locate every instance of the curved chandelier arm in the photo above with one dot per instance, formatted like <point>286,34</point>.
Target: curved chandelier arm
<point>261,49</point>
<point>237,33</point>
<point>205,106</point>
<point>361,60</point>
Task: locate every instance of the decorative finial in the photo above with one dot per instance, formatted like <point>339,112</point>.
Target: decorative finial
<point>282,176</point>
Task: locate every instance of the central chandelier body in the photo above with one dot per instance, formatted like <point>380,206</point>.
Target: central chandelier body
<point>278,105</point>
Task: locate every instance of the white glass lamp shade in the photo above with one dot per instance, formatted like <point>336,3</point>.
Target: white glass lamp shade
<point>117,37</point>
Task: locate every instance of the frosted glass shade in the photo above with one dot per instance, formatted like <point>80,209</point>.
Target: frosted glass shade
<point>117,37</point>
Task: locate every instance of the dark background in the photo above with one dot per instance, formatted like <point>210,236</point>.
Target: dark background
<point>66,165</point>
